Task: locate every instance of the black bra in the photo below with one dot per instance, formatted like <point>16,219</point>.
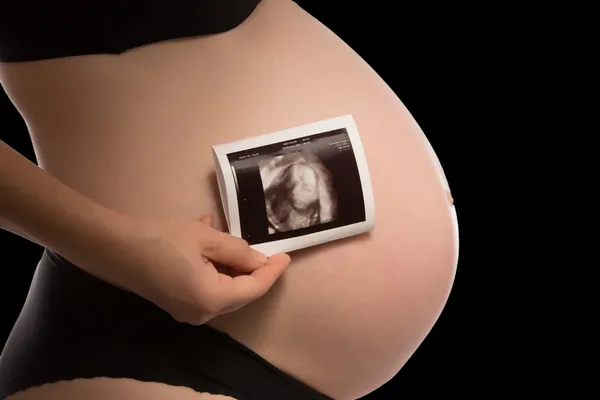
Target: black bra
<point>35,30</point>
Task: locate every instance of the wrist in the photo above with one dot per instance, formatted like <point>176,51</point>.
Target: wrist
<point>95,240</point>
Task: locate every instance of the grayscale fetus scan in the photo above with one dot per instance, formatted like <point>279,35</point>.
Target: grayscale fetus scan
<point>298,191</point>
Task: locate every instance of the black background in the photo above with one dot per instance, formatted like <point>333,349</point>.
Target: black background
<point>453,71</point>
<point>345,178</point>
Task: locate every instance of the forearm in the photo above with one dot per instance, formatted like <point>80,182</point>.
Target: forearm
<point>37,206</point>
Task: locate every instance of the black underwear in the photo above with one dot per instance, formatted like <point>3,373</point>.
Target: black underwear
<point>42,30</point>
<point>76,326</point>
<point>60,29</point>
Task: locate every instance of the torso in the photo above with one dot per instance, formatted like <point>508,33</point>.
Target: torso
<point>135,131</point>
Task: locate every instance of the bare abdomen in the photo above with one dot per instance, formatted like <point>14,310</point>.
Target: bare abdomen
<point>135,132</point>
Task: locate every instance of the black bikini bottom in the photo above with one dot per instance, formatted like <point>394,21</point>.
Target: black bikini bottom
<point>76,326</point>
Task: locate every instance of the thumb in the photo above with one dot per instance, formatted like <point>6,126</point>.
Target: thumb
<point>208,220</point>
<point>240,290</point>
<point>232,251</point>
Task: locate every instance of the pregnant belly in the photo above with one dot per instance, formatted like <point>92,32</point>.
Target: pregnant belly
<point>347,315</point>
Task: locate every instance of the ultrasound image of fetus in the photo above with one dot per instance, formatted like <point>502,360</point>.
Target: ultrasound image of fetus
<point>298,192</point>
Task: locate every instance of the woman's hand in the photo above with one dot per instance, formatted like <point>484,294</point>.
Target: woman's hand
<point>171,263</point>
<point>167,262</point>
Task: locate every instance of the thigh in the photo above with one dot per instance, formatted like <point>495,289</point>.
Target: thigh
<point>109,389</point>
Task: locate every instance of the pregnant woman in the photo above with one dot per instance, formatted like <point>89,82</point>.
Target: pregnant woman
<point>123,105</point>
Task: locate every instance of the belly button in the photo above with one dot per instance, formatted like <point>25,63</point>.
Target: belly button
<point>450,198</point>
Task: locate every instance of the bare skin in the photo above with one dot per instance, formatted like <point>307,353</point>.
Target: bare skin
<point>134,132</point>
<point>104,389</point>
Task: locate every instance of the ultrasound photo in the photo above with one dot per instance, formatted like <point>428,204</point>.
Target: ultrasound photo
<point>298,191</point>
<point>296,187</point>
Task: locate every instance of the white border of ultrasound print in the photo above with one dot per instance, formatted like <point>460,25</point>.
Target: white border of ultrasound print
<point>229,196</point>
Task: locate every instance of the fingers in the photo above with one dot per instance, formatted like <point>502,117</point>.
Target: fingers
<point>232,251</point>
<point>222,269</point>
<point>240,290</point>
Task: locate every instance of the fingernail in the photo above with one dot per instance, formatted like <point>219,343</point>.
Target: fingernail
<point>260,257</point>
